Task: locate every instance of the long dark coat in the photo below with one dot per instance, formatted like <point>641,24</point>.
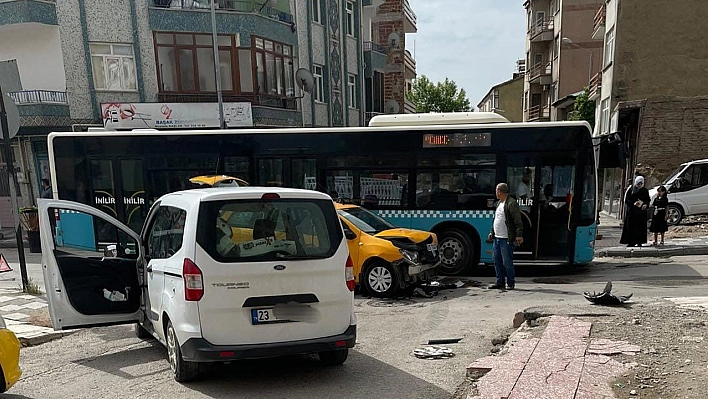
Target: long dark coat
<point>634,230</point>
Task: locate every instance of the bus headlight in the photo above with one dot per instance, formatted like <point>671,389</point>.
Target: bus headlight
<point>409,256</point>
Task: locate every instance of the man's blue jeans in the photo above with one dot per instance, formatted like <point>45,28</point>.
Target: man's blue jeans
<point>504,261</point>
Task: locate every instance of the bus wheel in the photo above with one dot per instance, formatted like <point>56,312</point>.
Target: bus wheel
<point>675,214</point>
<point>456,252</point>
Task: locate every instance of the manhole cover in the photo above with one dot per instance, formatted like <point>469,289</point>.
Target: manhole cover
<point>552,280</point>
<point>390,303</point>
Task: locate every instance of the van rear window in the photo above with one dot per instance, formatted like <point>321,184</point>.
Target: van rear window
<point>268,230</point>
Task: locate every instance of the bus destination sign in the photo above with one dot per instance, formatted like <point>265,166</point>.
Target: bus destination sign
<point>457,140</point>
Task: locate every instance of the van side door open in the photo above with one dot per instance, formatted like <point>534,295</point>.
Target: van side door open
<point>90,262</point>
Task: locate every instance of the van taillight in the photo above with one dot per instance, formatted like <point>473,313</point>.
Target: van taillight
<point>193,282</point>
<point>349,274</point>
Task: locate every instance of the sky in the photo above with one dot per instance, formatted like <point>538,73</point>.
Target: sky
<point>474,42</point>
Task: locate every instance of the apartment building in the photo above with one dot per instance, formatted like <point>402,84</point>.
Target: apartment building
<point>561,56</point>
<point>389,68</point>
<point>82,62</point>
<point>506,99</point>
<point>652,89</point>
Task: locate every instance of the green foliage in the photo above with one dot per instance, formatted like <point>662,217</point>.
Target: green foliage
<point>441,97</point>
<point>584,109</point>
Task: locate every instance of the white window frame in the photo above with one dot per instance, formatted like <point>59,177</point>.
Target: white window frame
<point>120,59</point>
<point>350,19</point>
<point>609,46</point>
<point>351,87</point>
<point>316,15</point>
<point>605,116</point>
<point>318,73</point>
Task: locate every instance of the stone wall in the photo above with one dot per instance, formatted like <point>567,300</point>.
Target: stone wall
<point>673,130</point>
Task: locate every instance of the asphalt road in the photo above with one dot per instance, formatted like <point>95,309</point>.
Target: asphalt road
<point>111,363</point>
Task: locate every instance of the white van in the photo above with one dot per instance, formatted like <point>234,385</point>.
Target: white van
<point>216,275</point>
<point>688,191</point>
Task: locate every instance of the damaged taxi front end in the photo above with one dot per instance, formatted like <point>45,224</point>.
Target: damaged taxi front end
<point>387,259</point>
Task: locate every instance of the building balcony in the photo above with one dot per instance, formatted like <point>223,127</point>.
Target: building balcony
<point>540,73</point>
<point>28,11</point>
<point>595,86</point>
<point>409,63</point>
<point>538,113</point>
<point>42,108</point>
<point>371,46</point>
<point>263,100</point>
<point>541,30</point>
<point>598,28</point>
<point>225,6</point>
<point>410,24</point>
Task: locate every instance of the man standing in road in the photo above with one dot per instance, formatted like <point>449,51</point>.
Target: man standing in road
<point>507,232</point>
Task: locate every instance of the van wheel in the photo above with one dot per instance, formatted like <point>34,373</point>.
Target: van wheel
<point>456,252</point>
<point>380,280</point>
<point>675,213</point>
<point>181,370</point>
<point>141,332</point>
<point>334,358</point>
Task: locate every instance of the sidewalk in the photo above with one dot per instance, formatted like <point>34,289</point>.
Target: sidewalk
<point>609,246</point>
<point>564,363</point>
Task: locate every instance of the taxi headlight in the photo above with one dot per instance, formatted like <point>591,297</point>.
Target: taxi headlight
<point>409,256</point>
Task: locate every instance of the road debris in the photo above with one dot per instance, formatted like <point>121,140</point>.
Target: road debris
<point>433,352</point>
<point>606,297</point>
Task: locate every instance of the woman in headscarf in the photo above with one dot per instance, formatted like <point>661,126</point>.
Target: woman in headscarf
<point>634,231</point>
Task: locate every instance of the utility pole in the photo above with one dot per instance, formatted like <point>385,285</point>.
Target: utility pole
<point>217,66</point>
<point>14,191</point>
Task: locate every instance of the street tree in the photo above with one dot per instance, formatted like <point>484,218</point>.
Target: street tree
<point>584,108</point>
<point>445,96</point>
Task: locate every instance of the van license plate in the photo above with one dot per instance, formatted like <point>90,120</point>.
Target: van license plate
<point>263,316</point>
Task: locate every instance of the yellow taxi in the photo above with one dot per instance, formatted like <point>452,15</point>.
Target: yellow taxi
<point>387,259</point>
<point>9,357</point>
<point>218,181</point>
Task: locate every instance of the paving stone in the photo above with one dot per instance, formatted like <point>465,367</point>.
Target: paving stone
<point>35,305</point>
<point>10,308</point>
<point>16,316</point>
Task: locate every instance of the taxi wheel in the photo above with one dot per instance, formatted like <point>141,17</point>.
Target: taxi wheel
<point>456,252</point>
<point>381,280</point>
<point>181,370</point>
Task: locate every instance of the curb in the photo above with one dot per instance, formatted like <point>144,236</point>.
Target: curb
<point>42,338</point>
<point>657,253</point>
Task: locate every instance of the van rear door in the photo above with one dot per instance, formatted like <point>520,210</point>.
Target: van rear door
<point>273,270</point>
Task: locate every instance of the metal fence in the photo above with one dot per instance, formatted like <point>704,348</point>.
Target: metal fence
<point>244,6</point>
<point>39,97</point>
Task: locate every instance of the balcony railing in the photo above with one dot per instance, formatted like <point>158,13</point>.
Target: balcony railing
<point>538,70</point>
<point>371,46</point>
<point>541,25</point>
<point>26,97</point>
<point>408,11</point>
<point>409,61</point>
<point>598,27</point>
<point>254,99</point>
<point>595,86</point>
<point>242,6</point>
<point>539,112</point>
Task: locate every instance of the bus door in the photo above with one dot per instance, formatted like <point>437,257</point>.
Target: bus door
<point>555,199</point>
<point>117,187</point>
<point>521,177</point>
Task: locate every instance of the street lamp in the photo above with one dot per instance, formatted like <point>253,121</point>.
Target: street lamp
<point>217,66</point>
<point>566,40</point>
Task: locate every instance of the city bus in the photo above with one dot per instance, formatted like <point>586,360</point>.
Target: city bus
<point>433,172</point>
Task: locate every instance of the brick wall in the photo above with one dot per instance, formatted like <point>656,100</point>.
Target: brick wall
<point>388,20</point>
<point>673,130</point>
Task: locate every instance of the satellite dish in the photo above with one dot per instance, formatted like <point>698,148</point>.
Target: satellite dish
<point>305,80</point>
<point>392,107</point>
<point>394,40</point>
